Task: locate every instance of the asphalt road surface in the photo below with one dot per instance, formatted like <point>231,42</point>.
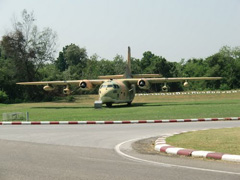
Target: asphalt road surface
<point>102,152</point>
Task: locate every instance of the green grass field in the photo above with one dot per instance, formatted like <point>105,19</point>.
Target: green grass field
<point>219,140</point>
<point>143,108</point>
<point>147,108</point>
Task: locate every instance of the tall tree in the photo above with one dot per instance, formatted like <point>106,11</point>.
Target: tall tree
<point>119,65</point>
<point>71,61</point>
<point>28,47</point>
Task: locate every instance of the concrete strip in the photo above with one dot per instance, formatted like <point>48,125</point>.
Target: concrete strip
<point>117,122</point>
<point>26,123</point>
<point>173,150</point>
<point>63,122</point>
<point>215,155</point>
<point>165,121</point>
<point>159,146</point>
<point>113,122</point>
<point>201,153</point>
<point>164,148</point>
<point>6,123</point>
<point>229,157</point>
<point>185,152</point>
<point>45,122</point>
<point>134,121</point>
<point>180,120</point>
<point>100,122</point>
<point>82,122</point>
<point>150,121</point>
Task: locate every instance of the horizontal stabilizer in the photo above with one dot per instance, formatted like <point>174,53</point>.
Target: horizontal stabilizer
<point>122,76</point>
<point>112,77</point>
<point>146,75</point>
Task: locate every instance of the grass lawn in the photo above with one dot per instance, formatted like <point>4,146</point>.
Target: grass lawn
<point>143,108</point>
<point>219,140</point>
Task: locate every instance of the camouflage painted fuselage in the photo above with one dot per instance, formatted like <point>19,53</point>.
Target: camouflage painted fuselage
<point>116,91</point>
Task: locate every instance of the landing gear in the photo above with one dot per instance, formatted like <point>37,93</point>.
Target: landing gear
<point>129,103</point>
<point>109,104</point>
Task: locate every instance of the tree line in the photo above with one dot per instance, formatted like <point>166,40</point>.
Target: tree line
<point>27,54</point>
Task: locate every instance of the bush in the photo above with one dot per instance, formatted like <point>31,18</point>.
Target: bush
<point>70,99</point>
<point>3,97</point>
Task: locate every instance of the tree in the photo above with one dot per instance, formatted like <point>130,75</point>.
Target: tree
<point>225,63</point>
<point>61,62</point>
<point>75,55</point>
<point>71,61</point>
<point>28,47</point>
<point>119,65</point>
<point>146,61</point>
<point>92,69</point>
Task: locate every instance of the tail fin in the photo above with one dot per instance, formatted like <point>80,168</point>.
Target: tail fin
<point>128,72</point>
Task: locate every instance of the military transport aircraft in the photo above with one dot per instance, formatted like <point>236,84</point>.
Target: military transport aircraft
<point>118,88</point>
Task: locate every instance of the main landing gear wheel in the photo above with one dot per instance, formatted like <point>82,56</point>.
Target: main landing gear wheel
<point>109,104</point>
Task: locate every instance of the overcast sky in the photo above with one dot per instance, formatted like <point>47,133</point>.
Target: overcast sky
<point>174,29</point>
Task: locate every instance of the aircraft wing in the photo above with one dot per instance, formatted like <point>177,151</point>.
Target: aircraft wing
<point>165,80</point>
<point>74,82</point>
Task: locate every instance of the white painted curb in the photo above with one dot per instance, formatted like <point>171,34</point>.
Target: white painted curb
<point>115,122</point>
<point>160,145</point>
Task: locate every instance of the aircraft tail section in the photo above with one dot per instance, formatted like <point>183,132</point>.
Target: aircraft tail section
<point>128,73</point>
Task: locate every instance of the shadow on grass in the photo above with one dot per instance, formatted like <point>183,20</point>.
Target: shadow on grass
<point>53,107</point>
<point>91,107</point>
<point>137,105</point>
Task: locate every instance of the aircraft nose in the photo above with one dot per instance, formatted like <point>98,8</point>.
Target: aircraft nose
<point>105,95</point>
<point>105,92</point>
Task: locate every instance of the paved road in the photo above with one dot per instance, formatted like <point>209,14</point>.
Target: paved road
<point>87,152</point>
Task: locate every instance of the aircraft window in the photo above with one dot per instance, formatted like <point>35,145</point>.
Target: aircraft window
<point>104,86</point>
<point>110,86</point>
<point>116,86</point>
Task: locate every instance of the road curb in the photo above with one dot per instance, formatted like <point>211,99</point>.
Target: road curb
<point>114,122</point>
<point>161,146</point>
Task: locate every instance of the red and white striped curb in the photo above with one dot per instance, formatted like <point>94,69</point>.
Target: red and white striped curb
<point>161,146</point>
<point>114,122</point>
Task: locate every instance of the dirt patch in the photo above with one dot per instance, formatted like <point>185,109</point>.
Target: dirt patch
<point>145,146</point>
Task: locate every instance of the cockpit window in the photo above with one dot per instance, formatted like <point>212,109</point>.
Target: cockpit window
<point>103,86</point>
<point>116,86</point>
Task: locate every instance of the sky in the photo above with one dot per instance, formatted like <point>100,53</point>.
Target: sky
<point>174,29</point>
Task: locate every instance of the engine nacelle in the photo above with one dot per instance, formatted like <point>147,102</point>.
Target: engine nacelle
<point>48,88</point>
<point>185,84</point>
<point>165,88</point>
<point>66,91</point>
<point>86,85</point>
<point>143,84</point>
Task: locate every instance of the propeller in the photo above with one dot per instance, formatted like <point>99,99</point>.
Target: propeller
<point>83,85</point>
<point>142,83</point>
